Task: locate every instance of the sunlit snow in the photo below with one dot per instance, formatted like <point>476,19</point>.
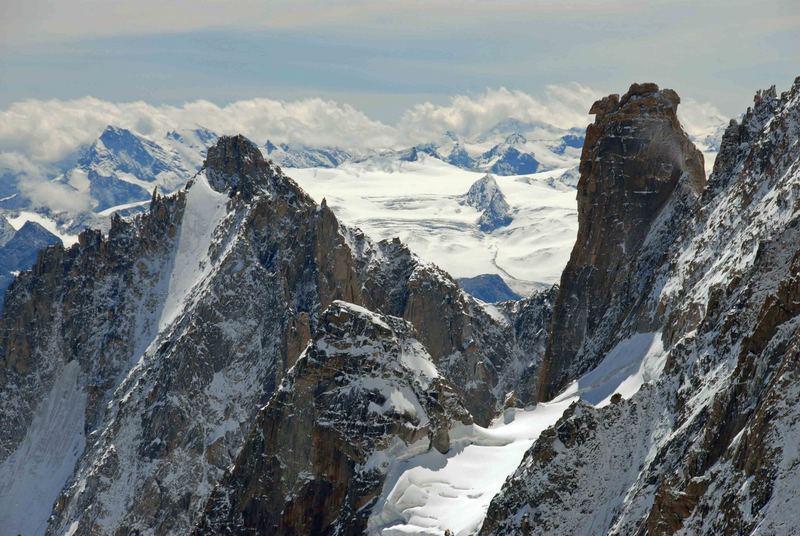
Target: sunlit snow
<point>429,492</point>
<point>205,209</point>
<point>419,202</point>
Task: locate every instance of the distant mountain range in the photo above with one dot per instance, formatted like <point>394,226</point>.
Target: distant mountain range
<point>119,172</point>
<point>122,167</point>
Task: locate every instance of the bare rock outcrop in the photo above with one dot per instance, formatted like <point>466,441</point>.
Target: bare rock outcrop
<point>317,456</point>
<point>709,446</point>
<point>634,157</point>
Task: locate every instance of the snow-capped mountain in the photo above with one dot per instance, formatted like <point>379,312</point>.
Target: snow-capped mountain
<point>286,155</point>
<point>485,195</point>
<point>119,171</point>
<point>123,168</point>
<point>19,248</point>
<point>511,147</point>
<point>166,337</point>
<point>235,360</point>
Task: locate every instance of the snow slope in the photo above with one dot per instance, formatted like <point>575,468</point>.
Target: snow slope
<point>205,209</point>
<point>32,477</point>
<point>427,493</point>
<point>419,202</point>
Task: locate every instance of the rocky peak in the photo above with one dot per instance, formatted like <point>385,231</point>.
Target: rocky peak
<point>634,158</point>
<point>362,383</point>
<point>235,164</point>
<point>481,193</point>
<point>709,446</point>
<point>739,136</point>
<point>485,195</point>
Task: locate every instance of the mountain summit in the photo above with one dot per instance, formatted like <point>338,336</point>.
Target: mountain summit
<point>635,157</point>
<point>235,164</point>
<point>703,311</point>
<point>165,337</point>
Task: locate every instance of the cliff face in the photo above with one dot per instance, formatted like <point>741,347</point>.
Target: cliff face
<point>634,158</point>
<point>19,248</point>
<point>709,447</point>
<point>317,456</point>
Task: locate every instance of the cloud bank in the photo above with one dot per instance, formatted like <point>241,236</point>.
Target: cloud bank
<point>46,131</point>
<point>37,135</point>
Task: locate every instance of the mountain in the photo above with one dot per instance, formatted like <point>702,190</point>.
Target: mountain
<point>236,360</point>
<point>306,157</point>
<point>488,287</point>
<point>636,157</point>
<point>363,386</point>
<point>19,249</point>
<point>165,337</point>
<point>708,447</point>
<point>123,168</point>
<point>119,171</point>
<point>485,195</point>
<point>508,159</point>
<point>502,150</point>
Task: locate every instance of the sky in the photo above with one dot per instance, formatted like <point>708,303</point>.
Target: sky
<point>385,57</point>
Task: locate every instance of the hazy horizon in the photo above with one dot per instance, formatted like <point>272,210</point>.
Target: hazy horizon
<point>384,59</point>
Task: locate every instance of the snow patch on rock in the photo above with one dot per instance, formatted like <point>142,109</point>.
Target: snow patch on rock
<point>33,476</point>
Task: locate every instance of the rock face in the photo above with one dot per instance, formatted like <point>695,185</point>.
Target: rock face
<point>634,158</point>
<point>317,456</point>
<point>6,231</point>
<point>530,320</point>
<point>167,335</point>
<point>486,196</point>
<point>489,288</point>
<point>710,446</point>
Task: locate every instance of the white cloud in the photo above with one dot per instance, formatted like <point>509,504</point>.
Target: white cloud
<point>700,119</point>
<point>563,106</point>
<point>47,131</point>
<point>32,182</point>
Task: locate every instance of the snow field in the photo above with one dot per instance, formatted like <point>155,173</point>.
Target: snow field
<point>427,493</point>
<point>419,203</point>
